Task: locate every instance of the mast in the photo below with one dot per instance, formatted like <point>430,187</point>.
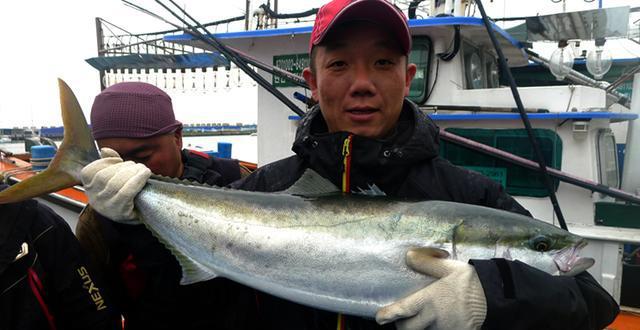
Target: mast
<point>246,11</point>
<point>101,52</point>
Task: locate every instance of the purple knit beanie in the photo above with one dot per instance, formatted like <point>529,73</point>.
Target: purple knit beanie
<point>132,110</point>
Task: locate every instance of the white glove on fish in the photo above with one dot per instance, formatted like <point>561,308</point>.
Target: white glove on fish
<point>455,301</point>
<point>112,184</point>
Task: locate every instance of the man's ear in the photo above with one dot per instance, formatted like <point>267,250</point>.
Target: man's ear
<point>310,78</point>
<point>177,135</point>
<point>411,72</point>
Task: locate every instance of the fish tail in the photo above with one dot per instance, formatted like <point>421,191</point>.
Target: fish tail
<point>77,150</point>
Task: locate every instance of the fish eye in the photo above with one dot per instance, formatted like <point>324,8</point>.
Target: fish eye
<point>541,243</point>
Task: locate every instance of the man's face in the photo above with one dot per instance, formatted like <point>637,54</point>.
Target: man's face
<point>360,79</point>
<point>161,154</point>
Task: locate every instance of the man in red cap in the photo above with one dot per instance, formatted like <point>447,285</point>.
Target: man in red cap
<point>365,137</point>
<point>134,121</point>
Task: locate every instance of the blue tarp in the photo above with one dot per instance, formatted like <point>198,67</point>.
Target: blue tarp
<point>149,61</point>
<point>52,132</point>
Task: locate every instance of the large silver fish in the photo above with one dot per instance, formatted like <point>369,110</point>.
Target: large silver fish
<point>339,253</point>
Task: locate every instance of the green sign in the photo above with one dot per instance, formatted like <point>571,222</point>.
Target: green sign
<point>498,174</point>
<point>293,63</point>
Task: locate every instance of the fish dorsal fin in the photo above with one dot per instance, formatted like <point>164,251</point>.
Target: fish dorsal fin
<point>183,182</point>
<point>312,184</point>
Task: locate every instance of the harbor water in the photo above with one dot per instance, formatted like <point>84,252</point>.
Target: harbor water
<point>245,147</point>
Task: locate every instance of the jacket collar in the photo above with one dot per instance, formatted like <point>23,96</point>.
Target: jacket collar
<point>415,139</point>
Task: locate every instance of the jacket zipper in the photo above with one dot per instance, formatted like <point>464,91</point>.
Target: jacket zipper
<point>346,188</point>
<point>346,164</point>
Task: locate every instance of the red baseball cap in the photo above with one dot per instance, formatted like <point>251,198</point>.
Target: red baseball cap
<point>380,12</point>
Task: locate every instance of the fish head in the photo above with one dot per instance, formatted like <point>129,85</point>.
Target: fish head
<point>501,234</point>
<point>557,253</point>
<point>545,247</point>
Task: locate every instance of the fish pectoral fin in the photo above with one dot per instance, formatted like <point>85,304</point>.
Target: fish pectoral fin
<point>193,271</point>
<point>312,184</point>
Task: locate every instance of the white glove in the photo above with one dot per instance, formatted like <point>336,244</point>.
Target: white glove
<point>112,184</point>
<point>455,301</point>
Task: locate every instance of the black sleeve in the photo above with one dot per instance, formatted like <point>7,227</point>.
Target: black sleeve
<point>522,297</point>
<point>454,183</point>
<point>276,176</point>
<point>77,297</point>
<point>497,198</point>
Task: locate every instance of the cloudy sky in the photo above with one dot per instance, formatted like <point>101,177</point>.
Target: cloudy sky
<point>42,40</point>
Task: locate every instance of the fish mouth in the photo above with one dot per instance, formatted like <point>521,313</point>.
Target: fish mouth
<point>569,262</point>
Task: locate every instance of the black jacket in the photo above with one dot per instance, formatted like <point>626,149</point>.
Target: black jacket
<point>52,279</point>
<point>145,277</point>
<point>407,165</point>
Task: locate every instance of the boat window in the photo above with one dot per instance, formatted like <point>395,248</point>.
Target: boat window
<point>491,71</point>
<point>607,158</point>
<point>480,68</point>
<point>419,56</point>
<point>517,180</point>
<point>473,68</point>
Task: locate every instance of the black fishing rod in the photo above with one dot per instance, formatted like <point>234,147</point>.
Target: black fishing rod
<point>212,41</point>
<point>295,79</point>
<point>413,7</point>
<point>224,21</point>
<point>523,115</point>
<point>274,70</point>
<point>273,14</point>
